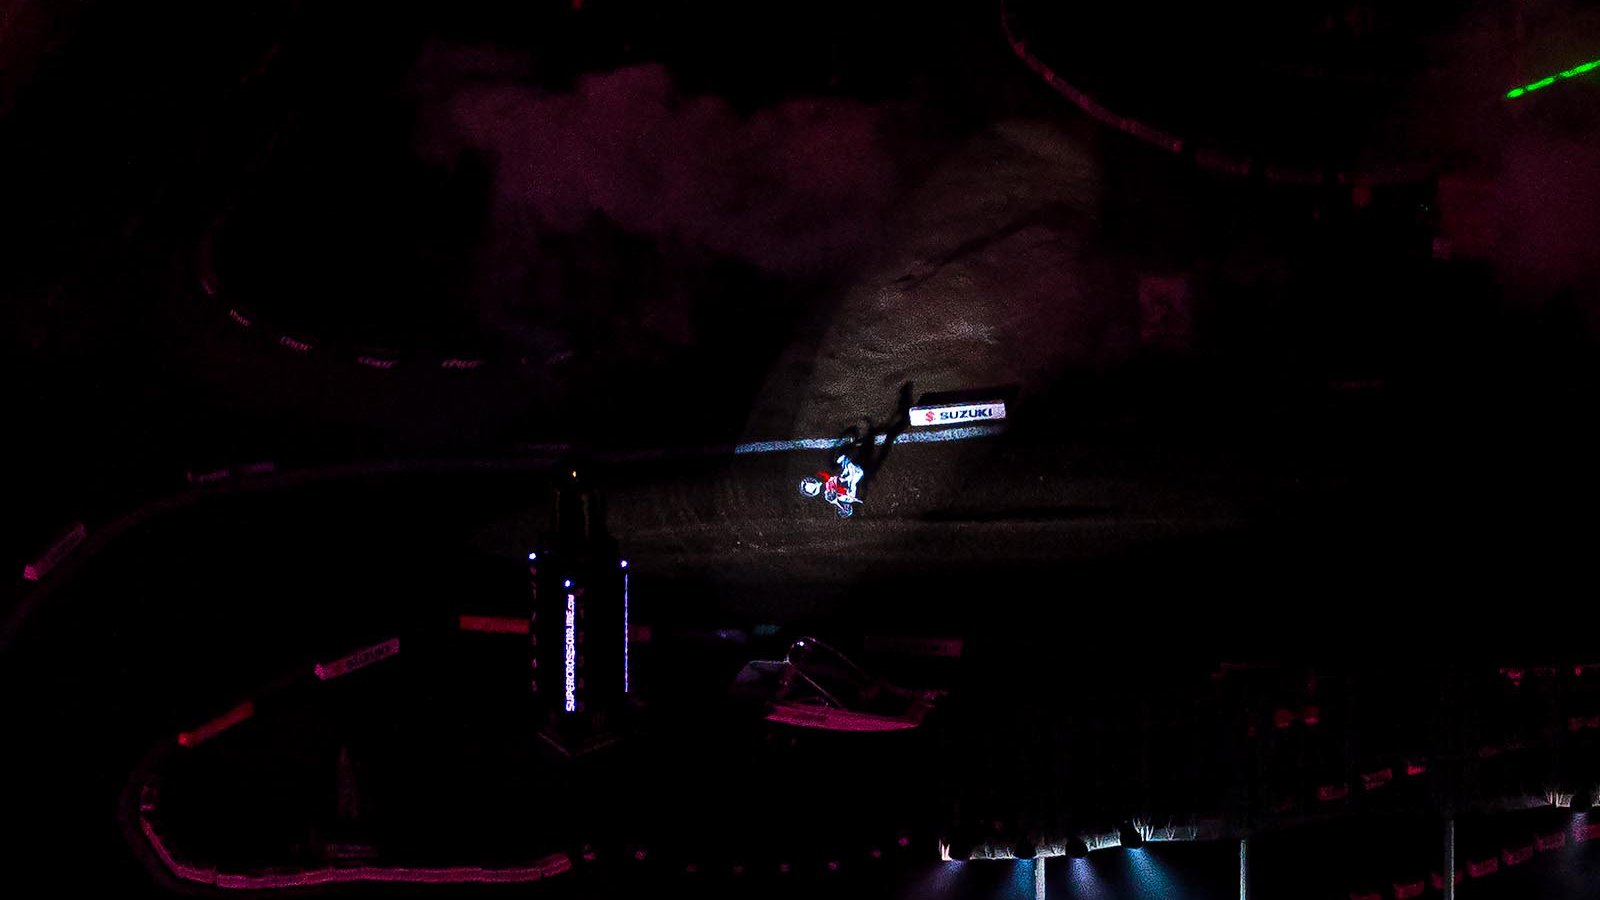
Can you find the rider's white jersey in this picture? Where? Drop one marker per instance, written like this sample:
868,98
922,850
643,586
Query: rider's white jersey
849,475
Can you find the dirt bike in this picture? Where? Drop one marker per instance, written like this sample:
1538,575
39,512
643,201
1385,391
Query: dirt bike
827,487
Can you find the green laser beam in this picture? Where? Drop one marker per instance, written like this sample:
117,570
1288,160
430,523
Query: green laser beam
1514,93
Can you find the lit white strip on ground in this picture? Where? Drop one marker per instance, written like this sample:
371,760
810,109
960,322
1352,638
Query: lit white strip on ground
966,432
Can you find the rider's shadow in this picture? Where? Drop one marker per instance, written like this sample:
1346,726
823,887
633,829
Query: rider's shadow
868,444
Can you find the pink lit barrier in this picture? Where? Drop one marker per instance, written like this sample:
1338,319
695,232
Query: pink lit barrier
239,318
377,362
1100,113
1516,856
1584,832
549,866
58,551
1553,841
495,624
461,364
1311,716
360,659
1408,890
1436,880
1149,135
949,648
1331,792
1221,162
1482,867
1083,101
218,725
1373,780
1283,718
1207,159
1290,175
838,719
211,476
1415,768
295,344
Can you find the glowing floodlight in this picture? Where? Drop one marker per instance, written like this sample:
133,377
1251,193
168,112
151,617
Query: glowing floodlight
532,557
1085,881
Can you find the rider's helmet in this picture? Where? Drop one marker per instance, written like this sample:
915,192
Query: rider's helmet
843,460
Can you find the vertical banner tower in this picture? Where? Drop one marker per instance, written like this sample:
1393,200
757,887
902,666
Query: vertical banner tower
578,639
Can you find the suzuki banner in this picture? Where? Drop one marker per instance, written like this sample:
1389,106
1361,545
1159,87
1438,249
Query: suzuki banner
960,414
